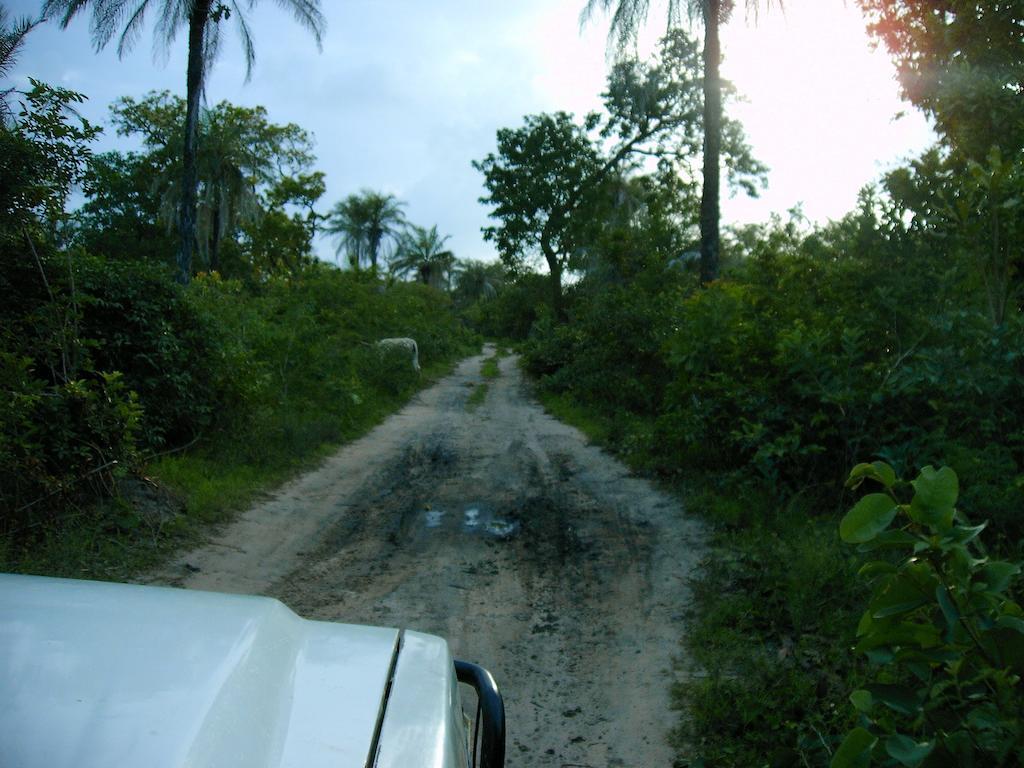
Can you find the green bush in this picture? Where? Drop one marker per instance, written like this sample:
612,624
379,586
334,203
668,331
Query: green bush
139,321
68,425
296,367
768,671
511,314
942,631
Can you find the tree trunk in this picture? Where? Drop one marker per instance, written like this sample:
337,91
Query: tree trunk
555,268
215,241
190,176
709,201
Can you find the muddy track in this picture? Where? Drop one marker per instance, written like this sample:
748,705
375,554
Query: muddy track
499,528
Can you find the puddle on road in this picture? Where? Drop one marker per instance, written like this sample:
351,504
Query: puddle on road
502,529
479,518
476,518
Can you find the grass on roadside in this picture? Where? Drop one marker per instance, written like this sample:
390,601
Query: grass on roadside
596,427
123,536
775,609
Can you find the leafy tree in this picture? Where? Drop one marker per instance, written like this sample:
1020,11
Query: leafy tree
281,239
227,190
969,211
120,217
421,252
628,18
962,63
44,154
478,280
364,224
247,166
203,19
542,174
62,421
550,170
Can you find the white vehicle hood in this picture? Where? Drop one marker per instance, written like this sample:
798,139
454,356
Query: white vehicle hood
98,674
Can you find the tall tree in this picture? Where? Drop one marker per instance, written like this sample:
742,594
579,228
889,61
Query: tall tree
962,63
422,252
364,224
203,19
478,280
628,18
547,173
247,167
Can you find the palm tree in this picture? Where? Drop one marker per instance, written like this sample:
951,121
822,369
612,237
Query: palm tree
203,19
628,18
12,37
227,171
364,223
478,280
422,252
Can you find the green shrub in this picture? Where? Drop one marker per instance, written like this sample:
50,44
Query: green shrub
767,668
140,322
942,631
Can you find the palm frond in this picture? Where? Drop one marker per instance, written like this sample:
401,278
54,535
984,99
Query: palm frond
67,9
132,29
308,14
245,33
12,38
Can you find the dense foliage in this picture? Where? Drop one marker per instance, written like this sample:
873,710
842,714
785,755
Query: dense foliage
945,637
817,349
110,366
554,181
894,334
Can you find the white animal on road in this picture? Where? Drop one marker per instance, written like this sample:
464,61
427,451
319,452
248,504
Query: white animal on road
406,345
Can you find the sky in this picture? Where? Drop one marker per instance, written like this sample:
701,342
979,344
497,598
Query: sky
405,94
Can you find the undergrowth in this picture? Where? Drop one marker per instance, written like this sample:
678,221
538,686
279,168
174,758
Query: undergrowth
289,373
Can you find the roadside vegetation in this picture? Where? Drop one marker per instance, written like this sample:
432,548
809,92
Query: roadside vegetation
841,402
893,336
139,408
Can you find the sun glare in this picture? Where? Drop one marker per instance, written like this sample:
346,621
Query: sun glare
819,104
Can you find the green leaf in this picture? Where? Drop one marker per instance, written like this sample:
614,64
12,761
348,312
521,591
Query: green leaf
961,534
949,610
898,698
998,575
862,700
902,633
902,594
876,568
936,517
936,488
906,751
876,470
880,656
895,539
855,751
1011,622
868,518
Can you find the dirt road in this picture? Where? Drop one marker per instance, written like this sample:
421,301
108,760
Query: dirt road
499,528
